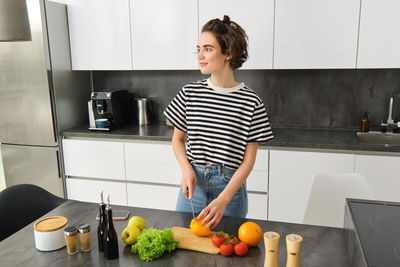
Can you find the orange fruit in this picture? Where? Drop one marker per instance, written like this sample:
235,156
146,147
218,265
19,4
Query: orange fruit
250,233
198,229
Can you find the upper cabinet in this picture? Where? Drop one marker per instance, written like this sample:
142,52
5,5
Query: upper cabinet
164,34
257,19
379,41
100,36
312,34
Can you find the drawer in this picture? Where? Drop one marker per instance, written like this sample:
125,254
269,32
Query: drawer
89,191
94,159
257,206
152,196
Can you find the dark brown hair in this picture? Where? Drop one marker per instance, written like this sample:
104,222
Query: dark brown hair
231,37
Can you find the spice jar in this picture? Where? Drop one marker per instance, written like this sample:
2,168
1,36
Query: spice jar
84,237
70,235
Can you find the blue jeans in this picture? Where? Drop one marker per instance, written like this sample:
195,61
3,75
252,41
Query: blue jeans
211,181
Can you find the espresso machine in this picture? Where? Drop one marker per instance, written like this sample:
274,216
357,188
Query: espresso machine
109,110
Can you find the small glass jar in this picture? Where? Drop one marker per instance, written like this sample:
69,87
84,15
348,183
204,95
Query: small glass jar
84,237
70,235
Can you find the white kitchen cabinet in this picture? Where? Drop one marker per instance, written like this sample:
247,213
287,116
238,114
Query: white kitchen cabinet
152,196
100,34
382,175
258,178
151,163
94,159
257,206
257,19
89,190
291,175
316,34
164,34
379,39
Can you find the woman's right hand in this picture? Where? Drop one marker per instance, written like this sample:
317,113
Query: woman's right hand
188,182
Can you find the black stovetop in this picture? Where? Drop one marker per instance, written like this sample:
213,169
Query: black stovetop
378,227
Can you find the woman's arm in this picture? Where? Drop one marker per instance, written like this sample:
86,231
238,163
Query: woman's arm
215,210
188,180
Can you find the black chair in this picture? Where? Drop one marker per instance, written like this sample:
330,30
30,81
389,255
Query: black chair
22,204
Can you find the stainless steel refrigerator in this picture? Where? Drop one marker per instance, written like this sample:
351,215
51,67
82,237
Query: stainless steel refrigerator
39,97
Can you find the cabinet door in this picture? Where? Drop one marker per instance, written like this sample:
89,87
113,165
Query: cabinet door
152,196
94,159
379,40
258,178
164,34
382,175
89,190
256,17
100,36
291,175
151,163
316,34
257,206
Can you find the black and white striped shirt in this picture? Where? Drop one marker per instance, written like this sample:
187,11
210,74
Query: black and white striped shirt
219,122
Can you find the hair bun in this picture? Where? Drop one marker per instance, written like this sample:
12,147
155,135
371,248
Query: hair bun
226,19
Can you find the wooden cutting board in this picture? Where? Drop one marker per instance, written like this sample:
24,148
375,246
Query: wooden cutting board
190,241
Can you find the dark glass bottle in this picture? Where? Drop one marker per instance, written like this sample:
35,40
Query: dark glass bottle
102,223
110,236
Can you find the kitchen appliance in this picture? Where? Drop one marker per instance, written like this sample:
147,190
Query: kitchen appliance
110,105
144,111
39,97
377,226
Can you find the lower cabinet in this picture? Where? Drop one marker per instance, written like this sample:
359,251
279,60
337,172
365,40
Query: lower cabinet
291,175
258,204
382,175
89,190
152,196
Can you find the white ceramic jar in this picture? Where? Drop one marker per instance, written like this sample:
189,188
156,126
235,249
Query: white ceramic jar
49,233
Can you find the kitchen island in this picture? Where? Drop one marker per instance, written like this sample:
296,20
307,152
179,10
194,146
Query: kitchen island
322,246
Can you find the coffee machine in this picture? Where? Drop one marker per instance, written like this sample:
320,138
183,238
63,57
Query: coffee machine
110,107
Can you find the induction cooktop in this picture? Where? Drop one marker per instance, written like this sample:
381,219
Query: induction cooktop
378,227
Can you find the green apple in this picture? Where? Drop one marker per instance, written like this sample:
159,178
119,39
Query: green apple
130,234
137,221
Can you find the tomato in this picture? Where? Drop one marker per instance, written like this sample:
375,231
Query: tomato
226,249
218,239
241,249
233,240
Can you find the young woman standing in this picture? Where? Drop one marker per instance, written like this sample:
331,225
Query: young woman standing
223,121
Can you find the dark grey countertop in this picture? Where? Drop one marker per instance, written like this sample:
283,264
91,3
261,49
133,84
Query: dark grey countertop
284,137
322,246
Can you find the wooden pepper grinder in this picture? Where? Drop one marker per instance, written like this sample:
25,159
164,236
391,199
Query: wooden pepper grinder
293,245
271,241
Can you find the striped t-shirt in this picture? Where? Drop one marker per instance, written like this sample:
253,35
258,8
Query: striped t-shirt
219,122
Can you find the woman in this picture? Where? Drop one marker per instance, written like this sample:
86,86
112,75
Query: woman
224,121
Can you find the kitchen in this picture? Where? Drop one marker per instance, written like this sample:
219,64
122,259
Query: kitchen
303,87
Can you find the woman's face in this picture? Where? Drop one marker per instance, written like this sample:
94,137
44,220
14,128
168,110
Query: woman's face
210,57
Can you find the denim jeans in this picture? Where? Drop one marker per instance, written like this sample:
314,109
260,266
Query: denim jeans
211,181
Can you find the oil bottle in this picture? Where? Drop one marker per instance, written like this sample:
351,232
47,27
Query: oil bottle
364,123
110,236
102,223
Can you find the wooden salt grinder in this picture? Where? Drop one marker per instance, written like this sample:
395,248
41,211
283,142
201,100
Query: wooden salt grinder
293,245
271,241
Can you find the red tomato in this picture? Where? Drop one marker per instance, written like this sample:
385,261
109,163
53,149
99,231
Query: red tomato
226,249
233,240
240,249
218,240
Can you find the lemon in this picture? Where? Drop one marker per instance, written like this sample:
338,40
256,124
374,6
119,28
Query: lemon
137,221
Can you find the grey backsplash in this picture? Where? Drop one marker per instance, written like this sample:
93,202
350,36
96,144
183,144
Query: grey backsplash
320,99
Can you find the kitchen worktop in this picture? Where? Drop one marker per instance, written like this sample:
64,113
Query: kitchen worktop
322,246
284,137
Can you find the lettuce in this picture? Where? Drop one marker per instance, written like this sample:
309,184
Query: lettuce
152,243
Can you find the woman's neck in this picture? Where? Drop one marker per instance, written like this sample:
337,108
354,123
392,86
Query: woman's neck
223,79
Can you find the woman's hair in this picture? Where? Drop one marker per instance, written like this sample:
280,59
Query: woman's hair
231,37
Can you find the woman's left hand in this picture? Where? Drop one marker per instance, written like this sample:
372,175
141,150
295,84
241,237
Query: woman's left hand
213,213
